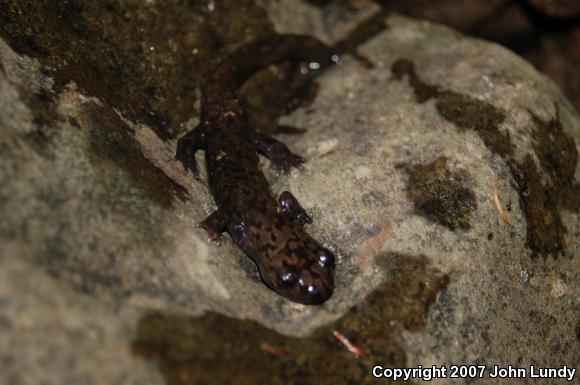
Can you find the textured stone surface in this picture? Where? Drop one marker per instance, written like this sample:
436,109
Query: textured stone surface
98,224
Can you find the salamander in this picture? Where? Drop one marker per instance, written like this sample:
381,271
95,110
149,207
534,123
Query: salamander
271,232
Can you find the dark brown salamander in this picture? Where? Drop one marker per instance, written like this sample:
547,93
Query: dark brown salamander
270,232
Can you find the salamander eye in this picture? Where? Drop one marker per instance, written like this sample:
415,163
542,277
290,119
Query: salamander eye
325,258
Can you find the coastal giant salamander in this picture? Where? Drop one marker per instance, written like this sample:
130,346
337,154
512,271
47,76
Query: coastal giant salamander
269,231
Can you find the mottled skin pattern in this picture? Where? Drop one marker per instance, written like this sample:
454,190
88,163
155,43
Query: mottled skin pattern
270,232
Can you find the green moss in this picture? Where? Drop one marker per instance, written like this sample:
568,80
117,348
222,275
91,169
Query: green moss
540,201
275,92
215,349
143,58
545,230
558,158
440,194
112,144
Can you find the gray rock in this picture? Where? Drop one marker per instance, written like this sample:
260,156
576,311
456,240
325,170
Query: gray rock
99,222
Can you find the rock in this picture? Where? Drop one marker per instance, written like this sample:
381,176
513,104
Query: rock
557,8
102,265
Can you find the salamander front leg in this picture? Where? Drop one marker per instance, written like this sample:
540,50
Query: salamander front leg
292,209
187,146
281,157
215,225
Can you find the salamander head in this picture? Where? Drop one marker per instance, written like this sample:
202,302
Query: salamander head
309,281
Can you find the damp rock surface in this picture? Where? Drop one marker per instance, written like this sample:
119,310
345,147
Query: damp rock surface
104,277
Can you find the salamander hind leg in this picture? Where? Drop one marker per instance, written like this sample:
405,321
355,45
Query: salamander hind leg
292,209
215,225
281,157
187,146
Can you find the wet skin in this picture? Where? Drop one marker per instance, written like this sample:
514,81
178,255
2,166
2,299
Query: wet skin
269,231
